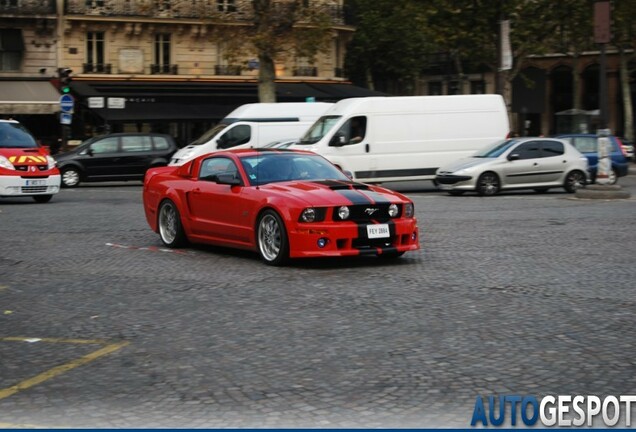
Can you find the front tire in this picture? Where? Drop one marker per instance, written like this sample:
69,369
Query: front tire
41,199
488,184
70,177
170,227
573,181
271,238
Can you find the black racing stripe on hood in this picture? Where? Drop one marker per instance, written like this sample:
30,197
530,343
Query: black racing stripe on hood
377,197
338,184
356,198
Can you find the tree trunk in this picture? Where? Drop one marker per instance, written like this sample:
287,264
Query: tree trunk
576,82
628,124
266,79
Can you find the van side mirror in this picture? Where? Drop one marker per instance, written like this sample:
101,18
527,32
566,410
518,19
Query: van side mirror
338,140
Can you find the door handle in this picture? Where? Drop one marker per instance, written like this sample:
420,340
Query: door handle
196,191
535,164
366,148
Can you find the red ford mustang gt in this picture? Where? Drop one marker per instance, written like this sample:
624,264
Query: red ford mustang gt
281,203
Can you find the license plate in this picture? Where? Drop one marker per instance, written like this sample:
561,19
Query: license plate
36,182
378,231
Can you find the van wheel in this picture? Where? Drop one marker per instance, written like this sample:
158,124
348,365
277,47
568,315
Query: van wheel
488,184
70,177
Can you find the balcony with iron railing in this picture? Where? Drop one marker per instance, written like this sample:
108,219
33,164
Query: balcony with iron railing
227,70
100,68
164,69
27,7
239,10
310,71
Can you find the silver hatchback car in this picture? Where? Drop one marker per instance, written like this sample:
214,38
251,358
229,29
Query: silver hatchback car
516,163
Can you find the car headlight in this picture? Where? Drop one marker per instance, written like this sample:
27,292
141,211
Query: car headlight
393,210
343,212
4,163
51,162
409,210
308,215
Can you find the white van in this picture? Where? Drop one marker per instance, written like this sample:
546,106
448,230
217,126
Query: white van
381,139
254,125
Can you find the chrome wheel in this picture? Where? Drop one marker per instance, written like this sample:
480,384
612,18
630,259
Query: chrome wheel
70,177
170,229
488,184
272,238
574,180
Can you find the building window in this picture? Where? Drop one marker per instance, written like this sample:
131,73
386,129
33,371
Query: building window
95,52
162,53
477,87
92,4
162,5
226,5
11,49
454,88
435,88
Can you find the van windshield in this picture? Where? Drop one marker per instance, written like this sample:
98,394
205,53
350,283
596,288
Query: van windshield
14,135
319,129
209,134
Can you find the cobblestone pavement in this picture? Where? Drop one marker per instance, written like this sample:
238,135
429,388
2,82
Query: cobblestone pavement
521,293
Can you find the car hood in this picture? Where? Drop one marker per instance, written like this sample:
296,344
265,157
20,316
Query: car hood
334,192
25,156
464,164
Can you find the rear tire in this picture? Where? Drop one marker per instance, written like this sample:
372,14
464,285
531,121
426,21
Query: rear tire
170,227
573,181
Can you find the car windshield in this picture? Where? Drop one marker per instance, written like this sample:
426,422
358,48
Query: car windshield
14,135
279,167
209,134
496,149
319,129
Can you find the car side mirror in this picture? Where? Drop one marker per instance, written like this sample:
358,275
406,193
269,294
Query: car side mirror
514,156
228,179
338,140
89,151
348,174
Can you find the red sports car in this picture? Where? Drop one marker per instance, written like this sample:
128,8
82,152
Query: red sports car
281,203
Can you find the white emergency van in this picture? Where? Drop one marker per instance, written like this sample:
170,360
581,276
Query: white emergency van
254,125
381,139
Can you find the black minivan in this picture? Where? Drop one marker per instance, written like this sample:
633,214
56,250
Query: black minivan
118,156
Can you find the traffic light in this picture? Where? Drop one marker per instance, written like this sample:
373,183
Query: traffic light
65,80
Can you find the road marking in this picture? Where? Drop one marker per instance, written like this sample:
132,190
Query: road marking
63,368
150,249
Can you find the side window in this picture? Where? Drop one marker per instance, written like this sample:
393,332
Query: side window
161,143
585,144
552,148
235,136
136,143
528,150
106,145
353,130
212,167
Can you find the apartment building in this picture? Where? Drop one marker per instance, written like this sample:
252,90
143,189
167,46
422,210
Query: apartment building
170,66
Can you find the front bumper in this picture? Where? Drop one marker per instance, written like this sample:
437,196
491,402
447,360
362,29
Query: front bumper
452,182
16,185
351,239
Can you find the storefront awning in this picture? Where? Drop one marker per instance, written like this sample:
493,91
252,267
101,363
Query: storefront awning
118,101
28,97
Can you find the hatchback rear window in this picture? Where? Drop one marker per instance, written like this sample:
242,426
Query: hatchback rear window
161,143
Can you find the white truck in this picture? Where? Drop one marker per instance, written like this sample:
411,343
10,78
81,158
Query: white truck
254,125
380,139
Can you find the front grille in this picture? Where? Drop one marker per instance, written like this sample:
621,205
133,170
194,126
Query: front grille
26,167
450,179
34,189
365,213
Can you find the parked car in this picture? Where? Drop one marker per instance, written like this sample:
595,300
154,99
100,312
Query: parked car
517,163
26,168
281,203
119,156
588,145
628,148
